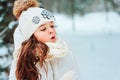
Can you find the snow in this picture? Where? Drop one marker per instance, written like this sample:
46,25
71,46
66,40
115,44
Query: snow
98,55
1,7
3,0
1,18
3,76
12,24
95,43
3,51
92,23
5,61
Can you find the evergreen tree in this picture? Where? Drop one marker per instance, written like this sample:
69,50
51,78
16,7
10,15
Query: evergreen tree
7,26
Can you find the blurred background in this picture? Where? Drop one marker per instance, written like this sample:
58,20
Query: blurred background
90,27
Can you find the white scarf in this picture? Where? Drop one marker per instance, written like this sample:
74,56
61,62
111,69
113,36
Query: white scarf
57,49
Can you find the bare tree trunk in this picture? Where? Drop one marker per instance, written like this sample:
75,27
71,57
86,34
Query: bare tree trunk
106,9
72,14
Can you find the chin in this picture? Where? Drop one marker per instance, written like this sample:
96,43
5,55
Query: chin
53,41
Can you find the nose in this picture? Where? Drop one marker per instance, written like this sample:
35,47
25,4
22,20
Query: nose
51,30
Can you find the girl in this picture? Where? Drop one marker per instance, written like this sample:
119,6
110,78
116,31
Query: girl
39,54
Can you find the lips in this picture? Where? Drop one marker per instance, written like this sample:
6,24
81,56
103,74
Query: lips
53,38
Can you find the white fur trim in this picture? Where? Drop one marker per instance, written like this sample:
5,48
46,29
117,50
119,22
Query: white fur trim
57,49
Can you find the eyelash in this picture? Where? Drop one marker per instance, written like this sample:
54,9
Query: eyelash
45,28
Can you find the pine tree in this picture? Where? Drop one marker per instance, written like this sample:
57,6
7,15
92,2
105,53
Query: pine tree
8,23
7,26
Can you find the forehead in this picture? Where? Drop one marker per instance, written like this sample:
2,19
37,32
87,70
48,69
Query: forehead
48,23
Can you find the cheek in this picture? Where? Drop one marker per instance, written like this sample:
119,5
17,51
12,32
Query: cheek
41,36
54,31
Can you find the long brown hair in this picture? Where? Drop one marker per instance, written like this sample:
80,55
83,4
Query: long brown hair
32,52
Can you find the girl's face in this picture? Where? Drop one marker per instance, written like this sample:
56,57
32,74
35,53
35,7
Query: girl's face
46,32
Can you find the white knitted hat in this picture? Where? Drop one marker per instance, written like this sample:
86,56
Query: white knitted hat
33,18
29,21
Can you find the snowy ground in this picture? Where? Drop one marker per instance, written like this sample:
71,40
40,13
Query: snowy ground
96,44
98,56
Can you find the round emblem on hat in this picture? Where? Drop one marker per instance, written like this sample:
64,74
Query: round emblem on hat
36,20
46,14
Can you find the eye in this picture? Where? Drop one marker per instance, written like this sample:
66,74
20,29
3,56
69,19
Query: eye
43,29
52,26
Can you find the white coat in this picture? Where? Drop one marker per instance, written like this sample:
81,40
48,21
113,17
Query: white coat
60,61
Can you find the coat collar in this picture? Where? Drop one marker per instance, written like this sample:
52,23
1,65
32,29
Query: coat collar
57,49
